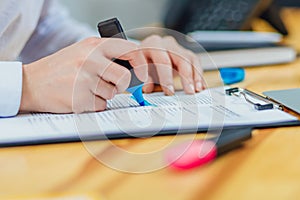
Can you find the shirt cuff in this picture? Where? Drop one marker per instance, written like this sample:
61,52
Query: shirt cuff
10,88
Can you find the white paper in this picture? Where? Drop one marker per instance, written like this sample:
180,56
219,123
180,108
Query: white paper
210,108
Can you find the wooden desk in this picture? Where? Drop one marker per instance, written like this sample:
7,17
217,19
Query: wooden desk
268,167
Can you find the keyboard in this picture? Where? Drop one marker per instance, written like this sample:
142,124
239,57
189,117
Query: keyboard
219,14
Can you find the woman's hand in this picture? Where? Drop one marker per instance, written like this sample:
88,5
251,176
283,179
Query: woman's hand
167,58
80,77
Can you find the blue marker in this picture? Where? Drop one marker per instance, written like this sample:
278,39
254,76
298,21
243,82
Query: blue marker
113,28
137,95
135,86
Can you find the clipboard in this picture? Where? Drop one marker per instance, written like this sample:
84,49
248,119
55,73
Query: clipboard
269,99
268,103
289,98
44,128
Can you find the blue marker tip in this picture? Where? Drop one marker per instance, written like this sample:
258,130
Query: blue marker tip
137,93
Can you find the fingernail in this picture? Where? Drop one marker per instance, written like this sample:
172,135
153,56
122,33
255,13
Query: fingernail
191,88
198,86
170,90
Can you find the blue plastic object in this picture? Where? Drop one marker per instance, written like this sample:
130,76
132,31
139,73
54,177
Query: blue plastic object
137,94
232,75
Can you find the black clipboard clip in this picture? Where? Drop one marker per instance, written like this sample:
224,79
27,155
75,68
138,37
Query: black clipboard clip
248,95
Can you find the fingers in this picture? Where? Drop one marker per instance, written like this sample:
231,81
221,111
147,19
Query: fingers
149,85
116,74
164,69
96,98
94,104
125,50
86,101
187,64
97,101
161,59
189,70
99,104
104,90
198,74
185,71
168,55
104,78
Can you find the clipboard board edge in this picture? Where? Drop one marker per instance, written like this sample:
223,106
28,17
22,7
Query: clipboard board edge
143,135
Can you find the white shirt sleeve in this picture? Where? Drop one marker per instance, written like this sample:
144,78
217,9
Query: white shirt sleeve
10,88
56,29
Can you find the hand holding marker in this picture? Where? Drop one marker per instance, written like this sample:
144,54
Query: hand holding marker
113,28
186,155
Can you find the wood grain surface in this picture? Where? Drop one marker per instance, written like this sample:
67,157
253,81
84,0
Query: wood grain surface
266,167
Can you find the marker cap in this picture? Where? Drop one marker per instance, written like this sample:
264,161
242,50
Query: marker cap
194,153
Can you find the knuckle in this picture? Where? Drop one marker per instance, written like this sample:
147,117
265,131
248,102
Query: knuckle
110,94
186,73
170,39
164,60
185,69
198,69
195,59
188,55
91,41
80,61
128,43
126,75
166,82
198,78
132,44
122,72
155,38
132,50
119,41
123,81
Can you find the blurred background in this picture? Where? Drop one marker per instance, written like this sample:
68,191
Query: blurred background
132,13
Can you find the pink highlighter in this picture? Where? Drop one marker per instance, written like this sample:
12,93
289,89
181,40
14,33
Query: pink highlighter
195,153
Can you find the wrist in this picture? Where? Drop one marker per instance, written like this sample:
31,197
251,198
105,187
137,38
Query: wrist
27,101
